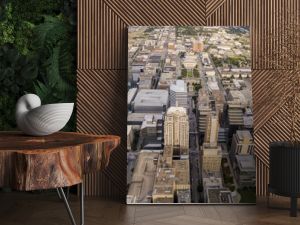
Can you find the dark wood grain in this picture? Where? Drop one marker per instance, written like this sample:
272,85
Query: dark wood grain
57,160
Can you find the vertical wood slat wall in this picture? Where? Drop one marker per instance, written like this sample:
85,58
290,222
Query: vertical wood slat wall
102,70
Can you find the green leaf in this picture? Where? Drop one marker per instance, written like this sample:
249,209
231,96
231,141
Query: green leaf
14,89
7,82
30,72
8,73
49,33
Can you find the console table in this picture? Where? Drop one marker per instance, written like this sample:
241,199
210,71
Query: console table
52,162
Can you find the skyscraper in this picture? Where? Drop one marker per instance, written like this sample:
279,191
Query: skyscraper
237,104
176,127
212,129
212,153
242,143
204,109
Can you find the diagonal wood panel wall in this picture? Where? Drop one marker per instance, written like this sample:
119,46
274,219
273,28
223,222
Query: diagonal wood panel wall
102,64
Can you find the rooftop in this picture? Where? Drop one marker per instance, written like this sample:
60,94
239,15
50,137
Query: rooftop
244,135
180,86
245,162
176,110
138,118
164,181
141,185
150,121
182,172
151,97
183,196
219,195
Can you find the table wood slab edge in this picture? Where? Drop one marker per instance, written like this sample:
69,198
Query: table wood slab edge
62,159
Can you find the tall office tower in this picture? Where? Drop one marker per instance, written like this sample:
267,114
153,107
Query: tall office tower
178,94
242,143
176,127
212,153
212,129
236,106
204,109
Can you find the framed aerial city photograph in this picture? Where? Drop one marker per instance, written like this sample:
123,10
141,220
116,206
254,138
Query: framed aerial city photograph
190,121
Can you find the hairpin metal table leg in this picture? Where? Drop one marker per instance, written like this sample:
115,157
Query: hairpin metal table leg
62,195
81,203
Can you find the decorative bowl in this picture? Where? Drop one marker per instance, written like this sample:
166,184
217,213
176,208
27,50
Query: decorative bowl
40,120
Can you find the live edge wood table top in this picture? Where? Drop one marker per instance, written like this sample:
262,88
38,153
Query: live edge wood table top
57,160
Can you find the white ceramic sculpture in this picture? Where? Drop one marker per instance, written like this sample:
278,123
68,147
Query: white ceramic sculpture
40,120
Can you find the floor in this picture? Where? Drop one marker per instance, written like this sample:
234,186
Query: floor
45,209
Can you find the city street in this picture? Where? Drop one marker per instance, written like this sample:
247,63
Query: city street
194,153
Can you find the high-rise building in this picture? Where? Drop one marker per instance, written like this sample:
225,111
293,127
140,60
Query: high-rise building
236,107
235,114
212,152
178,94
244,168
242,143
223,135
204,109
212,156
151,132
176,127
204,112
212,129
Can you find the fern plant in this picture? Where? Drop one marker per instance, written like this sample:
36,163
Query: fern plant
17,73
55,47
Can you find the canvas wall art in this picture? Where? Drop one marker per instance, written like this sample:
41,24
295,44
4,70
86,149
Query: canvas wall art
190,121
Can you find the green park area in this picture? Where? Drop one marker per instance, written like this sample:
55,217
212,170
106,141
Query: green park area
190,73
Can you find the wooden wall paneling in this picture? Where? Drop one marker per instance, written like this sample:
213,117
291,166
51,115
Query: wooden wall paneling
102,109
102,61
160,13
102,37
229,12
262,178
101,99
